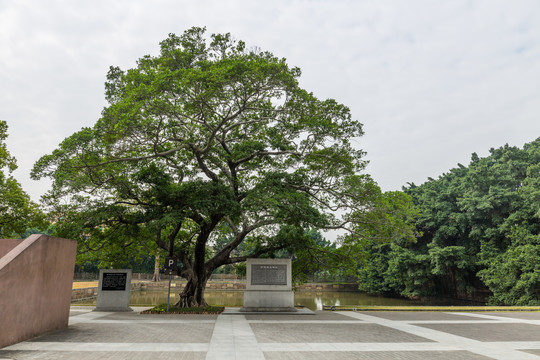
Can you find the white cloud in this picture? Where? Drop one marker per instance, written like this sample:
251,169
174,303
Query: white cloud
432,81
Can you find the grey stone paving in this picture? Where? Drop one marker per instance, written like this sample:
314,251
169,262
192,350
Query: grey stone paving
527,315
382,355
134,333
110,355
325,335
330,333
233,339
488,332
76,312
420,315
319,316
137,316
495,351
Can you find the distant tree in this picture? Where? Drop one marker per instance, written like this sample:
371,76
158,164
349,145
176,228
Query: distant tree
208,141
157,276
480,230
384,265
17,211
514,275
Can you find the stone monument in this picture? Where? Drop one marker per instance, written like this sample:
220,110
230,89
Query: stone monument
114,290
268,286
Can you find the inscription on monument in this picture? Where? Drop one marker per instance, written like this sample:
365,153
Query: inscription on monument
269,274
114,281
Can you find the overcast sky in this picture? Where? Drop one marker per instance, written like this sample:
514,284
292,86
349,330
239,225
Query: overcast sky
432,81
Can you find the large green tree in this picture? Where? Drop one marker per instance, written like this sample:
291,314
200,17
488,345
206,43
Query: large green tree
208,140
17,211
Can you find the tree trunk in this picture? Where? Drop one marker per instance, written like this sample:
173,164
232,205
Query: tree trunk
193,293
157,275
198,272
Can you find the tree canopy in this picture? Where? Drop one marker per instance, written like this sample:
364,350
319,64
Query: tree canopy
481,230
17,211
209,140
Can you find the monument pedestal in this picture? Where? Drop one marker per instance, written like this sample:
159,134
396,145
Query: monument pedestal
114,290
272,301
268,286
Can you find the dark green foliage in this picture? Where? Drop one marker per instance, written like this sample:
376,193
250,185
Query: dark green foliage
380,247
514,275
480,227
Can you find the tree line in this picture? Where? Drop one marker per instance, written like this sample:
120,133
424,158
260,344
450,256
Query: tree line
480,230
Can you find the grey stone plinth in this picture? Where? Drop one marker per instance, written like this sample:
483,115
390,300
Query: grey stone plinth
114,290
268,286
273,300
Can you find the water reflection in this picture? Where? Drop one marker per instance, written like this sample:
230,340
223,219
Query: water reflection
310,299
316,300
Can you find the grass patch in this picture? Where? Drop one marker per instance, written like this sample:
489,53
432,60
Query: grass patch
162,309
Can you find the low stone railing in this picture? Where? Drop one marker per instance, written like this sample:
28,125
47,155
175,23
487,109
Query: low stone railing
178,284
91,292
241,285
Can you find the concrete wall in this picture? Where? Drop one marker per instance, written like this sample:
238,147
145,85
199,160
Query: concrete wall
6,245
35,280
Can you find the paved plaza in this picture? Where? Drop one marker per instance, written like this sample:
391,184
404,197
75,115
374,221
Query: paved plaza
324,336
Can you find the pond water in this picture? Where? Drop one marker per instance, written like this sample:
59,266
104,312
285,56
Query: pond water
311,299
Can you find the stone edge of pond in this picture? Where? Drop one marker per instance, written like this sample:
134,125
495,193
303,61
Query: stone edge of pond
431,308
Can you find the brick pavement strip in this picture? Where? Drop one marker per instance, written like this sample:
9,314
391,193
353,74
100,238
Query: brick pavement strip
328,336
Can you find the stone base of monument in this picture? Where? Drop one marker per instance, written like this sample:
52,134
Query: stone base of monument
236,311
268,300
268,286
114,290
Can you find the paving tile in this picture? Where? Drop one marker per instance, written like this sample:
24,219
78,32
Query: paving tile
329,333
524,315
132,333
82,308
109,355
137,316
319,316
325,335
417,315
76,313
490,332
374,355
